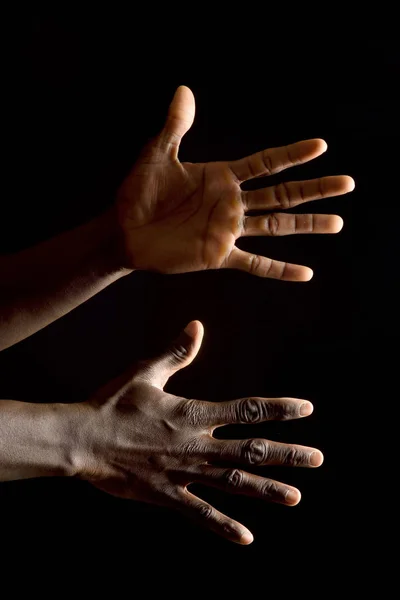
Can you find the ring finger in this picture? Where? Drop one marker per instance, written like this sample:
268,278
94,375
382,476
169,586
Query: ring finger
236,481
292,193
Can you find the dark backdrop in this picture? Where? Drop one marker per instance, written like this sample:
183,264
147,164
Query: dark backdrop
82,98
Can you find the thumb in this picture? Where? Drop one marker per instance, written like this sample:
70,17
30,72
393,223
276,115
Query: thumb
178,355
179,120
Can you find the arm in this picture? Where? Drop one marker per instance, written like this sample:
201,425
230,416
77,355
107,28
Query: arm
169,217
36,440
43,283
134,440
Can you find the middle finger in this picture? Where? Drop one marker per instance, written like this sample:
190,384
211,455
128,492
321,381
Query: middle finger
286,195
261,452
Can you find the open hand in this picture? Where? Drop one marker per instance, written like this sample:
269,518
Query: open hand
180,217
136,441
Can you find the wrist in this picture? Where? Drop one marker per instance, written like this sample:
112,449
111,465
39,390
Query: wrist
109,231
37,440
79,426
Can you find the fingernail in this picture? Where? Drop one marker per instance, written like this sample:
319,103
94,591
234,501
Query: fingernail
191,329
246,538
308,275
292,497
306,409
316,459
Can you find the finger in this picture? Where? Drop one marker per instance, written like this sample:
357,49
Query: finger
277,224
245,411
266,267
290,194
207,516
178,355
263,452
274,160
179,120
235,481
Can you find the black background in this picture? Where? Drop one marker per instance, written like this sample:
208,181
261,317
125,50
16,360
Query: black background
82,98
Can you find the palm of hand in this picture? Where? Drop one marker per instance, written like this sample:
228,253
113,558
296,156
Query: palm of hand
181,217
189,220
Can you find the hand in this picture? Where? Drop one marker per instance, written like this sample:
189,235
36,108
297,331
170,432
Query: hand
179,217
140,442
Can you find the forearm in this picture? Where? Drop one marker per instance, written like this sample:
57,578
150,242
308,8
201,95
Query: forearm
43,283
37,440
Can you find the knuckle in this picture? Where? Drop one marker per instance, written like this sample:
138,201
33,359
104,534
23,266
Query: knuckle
282,269
251,168
269,489
205,511
280,410
267,162
179,352
301,191
254,264
229,530
192,448
268,267
234,478
303,223
255,452
293,457
249,410
282,195
272,224
190,411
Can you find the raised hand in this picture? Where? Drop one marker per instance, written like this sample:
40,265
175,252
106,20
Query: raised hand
179,217
136,441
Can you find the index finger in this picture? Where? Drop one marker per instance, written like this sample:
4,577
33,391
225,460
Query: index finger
274,160
251,410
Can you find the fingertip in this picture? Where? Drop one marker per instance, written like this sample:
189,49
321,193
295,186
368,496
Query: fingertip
312,148
306,409
293,497
306,274
192,328
322,145
337,224
297,273
246,538
184,93
349,182
316,458
184,88
195,331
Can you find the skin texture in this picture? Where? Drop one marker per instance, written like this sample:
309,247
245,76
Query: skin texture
133,440
168,217
137,441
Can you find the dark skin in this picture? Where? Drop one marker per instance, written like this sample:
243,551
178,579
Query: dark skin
132,439
144,444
